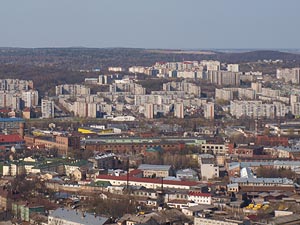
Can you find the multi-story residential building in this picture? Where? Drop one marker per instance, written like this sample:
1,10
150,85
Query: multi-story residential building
269,92
254,109
127,86
149,111
186,74
84,109
224,94
179,110
246,93
116,69
257,87
10,100
47,107
72,89
209,110
233,67
30,98
137,69
281,109
187,87
295,107
15,85
211,65
224,77
292,75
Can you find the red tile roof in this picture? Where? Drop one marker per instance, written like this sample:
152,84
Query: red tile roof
135,172
10,138
149,180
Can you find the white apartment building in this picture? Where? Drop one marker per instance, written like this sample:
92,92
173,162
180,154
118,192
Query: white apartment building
224,94
223,77
186,74
257,87
116,69
287,75
149,111
209,110
10,99
127,87
246,93
15,85
136,69
282,109
211,65
233,67
72,89
295,108
270,92
254,109
47,108
179,110
30,98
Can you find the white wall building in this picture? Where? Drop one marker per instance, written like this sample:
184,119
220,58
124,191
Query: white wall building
47,108
200,198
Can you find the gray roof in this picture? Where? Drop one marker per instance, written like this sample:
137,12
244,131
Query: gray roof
77,217
186,172
154,167
295,148
286,163
264,163
233,165
294,218
256,164
263,180
197,208
206,156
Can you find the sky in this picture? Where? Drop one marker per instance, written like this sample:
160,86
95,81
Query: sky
167,24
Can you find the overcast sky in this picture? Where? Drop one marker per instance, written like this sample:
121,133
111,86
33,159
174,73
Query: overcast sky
201,24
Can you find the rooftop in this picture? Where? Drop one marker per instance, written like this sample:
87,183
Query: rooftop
13,119
154,167
263,180
77,217
148,180
10,138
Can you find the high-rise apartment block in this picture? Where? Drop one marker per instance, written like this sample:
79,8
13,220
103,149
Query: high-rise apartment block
149,111
224,78
72,89
233,67
47,107
179,110
289,75
209,111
